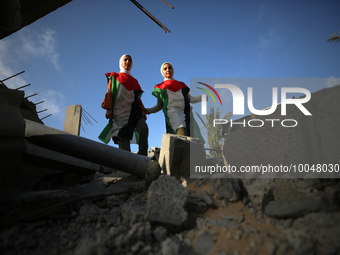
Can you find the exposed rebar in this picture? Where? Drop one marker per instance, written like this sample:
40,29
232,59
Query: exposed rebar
168,4
12,76
32,95
46,117
23,86
150,16
89,115
39,102
42,111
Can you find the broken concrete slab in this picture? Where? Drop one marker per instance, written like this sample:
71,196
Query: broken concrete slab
166,199
12,130
292,209
325,228
12,122
30,148
178,153
73,119
36,155
262,191
93,187
86,149
111,180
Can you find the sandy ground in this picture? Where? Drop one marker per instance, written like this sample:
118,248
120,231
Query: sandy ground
254,234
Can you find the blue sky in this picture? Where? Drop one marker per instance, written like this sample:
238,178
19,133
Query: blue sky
66,53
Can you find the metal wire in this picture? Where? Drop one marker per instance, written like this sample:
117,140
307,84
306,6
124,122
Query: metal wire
168,4
150,16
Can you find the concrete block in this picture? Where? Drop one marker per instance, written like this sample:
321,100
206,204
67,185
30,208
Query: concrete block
12,124
73,119
178,153
49,159
166,200
86,149
293,209
12,130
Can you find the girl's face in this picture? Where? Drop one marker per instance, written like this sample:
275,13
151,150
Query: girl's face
127,62
167,71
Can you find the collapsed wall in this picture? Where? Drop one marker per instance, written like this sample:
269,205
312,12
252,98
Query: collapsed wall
31,151
124,215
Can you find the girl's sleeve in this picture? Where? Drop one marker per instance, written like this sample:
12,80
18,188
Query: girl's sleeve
107,102
194,100
157,107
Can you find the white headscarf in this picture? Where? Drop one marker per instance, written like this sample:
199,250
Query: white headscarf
162,71
122,70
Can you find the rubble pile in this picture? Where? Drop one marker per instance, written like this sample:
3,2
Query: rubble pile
107,214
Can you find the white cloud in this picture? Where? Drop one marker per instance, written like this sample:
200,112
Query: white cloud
6,72
53,101
23,45
267,41
30,46
332,81
6,63
49,44
43,45
261,12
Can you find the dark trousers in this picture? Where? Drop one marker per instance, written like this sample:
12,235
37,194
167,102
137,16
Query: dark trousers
143,130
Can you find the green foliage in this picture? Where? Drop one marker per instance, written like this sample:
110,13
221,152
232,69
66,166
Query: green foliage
334,37
214,134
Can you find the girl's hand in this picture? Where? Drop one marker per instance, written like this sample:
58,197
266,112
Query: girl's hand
109,114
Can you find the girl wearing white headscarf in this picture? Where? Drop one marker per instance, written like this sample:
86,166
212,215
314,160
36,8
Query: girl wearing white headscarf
174,98
124,109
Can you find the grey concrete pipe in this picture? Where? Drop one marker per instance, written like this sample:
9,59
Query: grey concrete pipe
89,150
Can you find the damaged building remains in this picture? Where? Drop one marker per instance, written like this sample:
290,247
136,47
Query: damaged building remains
61,193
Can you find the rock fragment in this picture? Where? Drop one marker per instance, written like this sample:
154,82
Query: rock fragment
166,199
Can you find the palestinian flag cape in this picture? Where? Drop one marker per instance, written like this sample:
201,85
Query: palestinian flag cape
173,117
115,83
172,85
